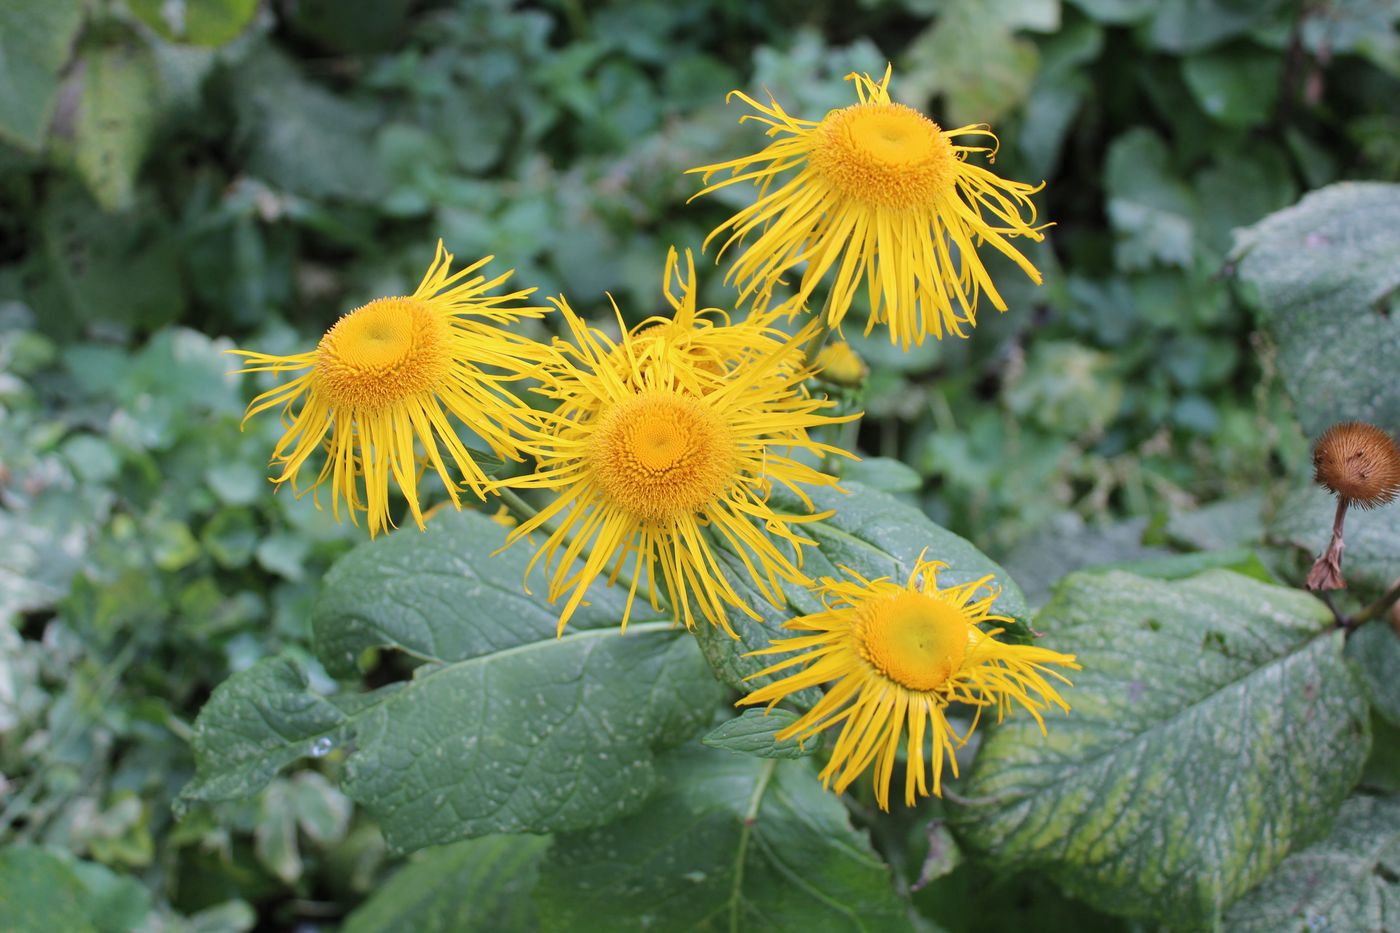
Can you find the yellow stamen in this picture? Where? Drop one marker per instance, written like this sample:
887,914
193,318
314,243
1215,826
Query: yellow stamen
917,641
885,154
662,453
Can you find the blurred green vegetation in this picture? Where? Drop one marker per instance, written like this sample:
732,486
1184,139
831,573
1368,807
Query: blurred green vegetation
180,177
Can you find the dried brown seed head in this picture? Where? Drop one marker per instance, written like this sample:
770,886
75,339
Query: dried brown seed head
1359,462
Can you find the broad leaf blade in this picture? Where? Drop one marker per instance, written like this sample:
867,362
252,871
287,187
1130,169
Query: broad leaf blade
478,884
754,732
1345,882
442,595
1322,277
728,842
509,730
1375,647
34,45
258,722
1215,725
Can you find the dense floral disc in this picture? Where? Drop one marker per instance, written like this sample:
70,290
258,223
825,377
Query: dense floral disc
660,452
1359,462
878,192
894,656
384,390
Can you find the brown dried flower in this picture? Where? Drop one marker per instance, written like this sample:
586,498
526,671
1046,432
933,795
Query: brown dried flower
1359,462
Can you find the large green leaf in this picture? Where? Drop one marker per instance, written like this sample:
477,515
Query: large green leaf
507,729
200,22
116,117
871,532
444,595
477,884
1236,86
1215,726
39,892
1322,278
728,842
1150,207
1348,882
35,42
974,60
1375,647
301,137
1191,25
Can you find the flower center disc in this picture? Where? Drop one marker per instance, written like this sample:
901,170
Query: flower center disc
384,352
660,454
885,154
917,641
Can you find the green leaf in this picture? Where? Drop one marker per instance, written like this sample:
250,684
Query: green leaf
1241,560
1371,560
1191,25
35,42
116,269
116,903
1215,726
1117,12
301,137
116,118
1235,86
1321,276
39,892
442,595
728,842
883,473
1225,523
198,22
1375,647
1149,207
974,60
1349,881
871,532
478,884
259,721
754,732
507,729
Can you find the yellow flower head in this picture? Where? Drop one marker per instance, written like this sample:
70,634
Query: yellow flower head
650,455
378,390
703,339
895,657
881,192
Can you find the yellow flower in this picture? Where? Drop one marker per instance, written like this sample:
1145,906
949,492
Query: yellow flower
895,657
876,190
649,455
705,339
378,390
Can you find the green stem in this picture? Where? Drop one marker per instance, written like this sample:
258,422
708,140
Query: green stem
518,507
1377,608
736,890
814,346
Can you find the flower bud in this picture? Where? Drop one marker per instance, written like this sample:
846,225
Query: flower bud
1359,462
839,364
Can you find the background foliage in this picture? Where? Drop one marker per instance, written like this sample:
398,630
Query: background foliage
176,177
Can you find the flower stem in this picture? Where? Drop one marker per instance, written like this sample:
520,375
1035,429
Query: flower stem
818,340
1376,609
521,509
1326,572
